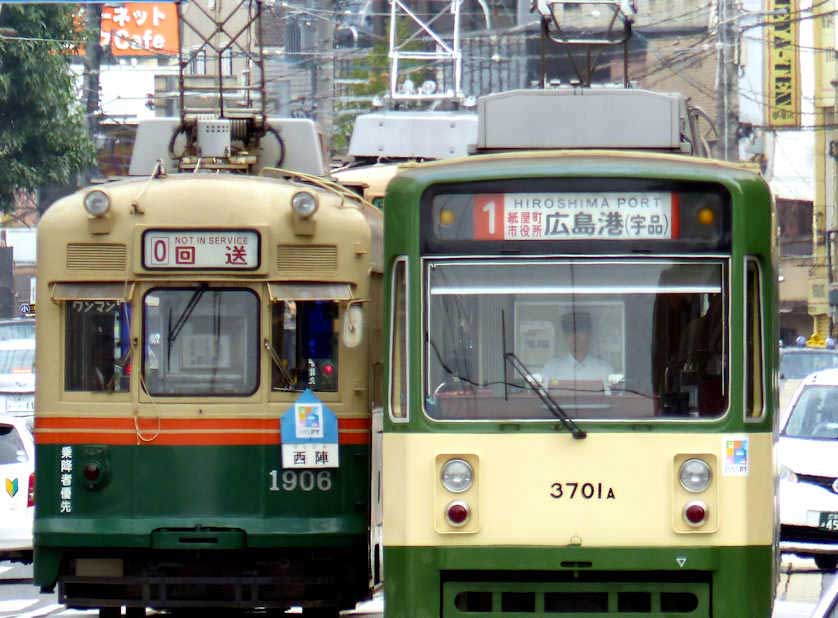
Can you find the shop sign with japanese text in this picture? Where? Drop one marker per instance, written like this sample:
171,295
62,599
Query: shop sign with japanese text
140,29
575,216
201,249
782,87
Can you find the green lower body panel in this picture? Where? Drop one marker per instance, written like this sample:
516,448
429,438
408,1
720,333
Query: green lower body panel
577,582
188,526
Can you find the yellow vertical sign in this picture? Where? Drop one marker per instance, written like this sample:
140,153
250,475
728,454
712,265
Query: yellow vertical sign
824,27
782,84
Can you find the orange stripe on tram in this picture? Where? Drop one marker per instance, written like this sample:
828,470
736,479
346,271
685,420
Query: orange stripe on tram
178,431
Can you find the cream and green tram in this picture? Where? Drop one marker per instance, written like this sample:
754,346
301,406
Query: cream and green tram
206,351
580,393
368,181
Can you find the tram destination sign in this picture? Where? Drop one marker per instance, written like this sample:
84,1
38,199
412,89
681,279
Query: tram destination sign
201,249
559,216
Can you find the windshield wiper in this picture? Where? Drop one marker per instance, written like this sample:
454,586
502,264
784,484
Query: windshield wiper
544,396
175,329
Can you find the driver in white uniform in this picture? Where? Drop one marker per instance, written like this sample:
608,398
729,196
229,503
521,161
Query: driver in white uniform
578,364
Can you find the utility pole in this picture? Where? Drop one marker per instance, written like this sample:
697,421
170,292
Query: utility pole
323,63
727,82
92,64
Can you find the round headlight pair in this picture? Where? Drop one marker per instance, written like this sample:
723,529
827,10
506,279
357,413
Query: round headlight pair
97,203
457,476
695,475
304,204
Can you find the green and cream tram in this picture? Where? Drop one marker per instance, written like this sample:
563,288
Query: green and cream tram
580,404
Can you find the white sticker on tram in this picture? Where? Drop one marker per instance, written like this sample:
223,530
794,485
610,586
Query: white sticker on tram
735,455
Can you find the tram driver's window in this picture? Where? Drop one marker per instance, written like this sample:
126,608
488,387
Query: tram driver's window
200,341
97,346
306,344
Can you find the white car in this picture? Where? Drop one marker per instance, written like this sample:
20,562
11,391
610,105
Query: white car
808,457
17,377
17,496
828,604
797,363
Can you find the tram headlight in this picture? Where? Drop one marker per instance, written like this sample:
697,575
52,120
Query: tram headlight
304,204
695,475
457,476
97,203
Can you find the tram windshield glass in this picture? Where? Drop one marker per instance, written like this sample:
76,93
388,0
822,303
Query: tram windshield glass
200,341
608,339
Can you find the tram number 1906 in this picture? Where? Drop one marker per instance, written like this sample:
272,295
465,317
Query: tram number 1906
584,491
304,480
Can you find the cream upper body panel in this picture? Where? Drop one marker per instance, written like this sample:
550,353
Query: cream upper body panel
205,202
633,498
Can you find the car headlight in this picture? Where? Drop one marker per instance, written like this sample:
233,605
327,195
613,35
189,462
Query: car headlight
457,476
787,474
695,475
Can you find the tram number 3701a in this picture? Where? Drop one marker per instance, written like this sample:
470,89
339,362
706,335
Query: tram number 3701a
585,491
304,480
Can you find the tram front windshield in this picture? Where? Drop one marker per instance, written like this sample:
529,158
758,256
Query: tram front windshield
608,339
200,341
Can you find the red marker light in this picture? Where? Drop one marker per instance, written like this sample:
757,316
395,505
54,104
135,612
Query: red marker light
92,472
328,370
30,496
457,513
695,513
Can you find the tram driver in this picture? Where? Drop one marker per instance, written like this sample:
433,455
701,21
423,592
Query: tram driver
578,364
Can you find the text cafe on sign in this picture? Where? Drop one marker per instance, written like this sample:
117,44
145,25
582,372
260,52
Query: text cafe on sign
140,28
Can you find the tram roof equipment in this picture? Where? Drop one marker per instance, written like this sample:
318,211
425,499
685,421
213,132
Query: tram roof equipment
574,118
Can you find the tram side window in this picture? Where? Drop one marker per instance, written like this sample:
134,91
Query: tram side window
97,346
398,332
306,342
753,344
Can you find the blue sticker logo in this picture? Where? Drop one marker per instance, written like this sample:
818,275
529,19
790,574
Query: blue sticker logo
309,434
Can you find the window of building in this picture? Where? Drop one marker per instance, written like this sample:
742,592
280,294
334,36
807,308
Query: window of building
227,62
795,220
198,64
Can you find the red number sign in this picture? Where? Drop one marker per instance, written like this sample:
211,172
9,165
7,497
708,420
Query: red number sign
489,218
